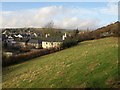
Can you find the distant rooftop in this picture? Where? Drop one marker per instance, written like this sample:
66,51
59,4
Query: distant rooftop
53,39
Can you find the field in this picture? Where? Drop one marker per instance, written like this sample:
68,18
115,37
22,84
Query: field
89,64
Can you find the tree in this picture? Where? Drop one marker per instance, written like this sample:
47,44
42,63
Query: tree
26,42
75,33
49,25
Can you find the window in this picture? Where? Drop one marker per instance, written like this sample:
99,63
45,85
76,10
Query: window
51,43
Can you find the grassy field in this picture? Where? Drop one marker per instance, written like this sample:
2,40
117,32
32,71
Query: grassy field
89,64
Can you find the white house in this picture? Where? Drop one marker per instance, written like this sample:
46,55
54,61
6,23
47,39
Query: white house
35,35
64,36
10,37
20,36
8,54
47,35
51,44
4,32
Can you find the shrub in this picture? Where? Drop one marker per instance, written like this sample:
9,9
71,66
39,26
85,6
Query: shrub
69,42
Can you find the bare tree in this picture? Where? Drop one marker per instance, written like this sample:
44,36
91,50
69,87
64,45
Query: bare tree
49,25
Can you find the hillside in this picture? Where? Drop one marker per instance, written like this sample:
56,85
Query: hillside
112,26
112,29
89,64
105,31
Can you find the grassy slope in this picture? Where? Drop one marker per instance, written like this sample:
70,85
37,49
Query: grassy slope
90,64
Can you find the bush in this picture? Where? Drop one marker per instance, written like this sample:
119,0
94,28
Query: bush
69,42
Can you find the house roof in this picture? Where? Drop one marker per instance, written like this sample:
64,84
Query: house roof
49,39
22,40
53,39
30,40
20,36
35,41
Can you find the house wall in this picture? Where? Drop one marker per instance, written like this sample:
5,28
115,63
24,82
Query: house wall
46,44
8,54
36,45
22,44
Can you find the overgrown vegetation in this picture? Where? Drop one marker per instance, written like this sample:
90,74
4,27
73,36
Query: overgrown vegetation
69,42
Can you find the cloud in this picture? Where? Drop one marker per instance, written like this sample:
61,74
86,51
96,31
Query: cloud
75,22
25,18
111,9
63,17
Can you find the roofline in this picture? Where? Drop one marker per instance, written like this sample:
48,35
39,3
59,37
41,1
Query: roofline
52,41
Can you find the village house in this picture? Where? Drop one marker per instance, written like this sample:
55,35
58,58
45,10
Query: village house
8,54
35,43
18,36
52,42
31,42
64,36
29,39
9,41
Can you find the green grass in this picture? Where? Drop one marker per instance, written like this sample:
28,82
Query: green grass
89,64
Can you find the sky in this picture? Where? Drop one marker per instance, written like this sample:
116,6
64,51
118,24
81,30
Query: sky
67,15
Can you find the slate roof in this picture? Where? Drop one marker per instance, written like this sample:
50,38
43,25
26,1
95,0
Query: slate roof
22,40
35,41
53,39
30,41
49,39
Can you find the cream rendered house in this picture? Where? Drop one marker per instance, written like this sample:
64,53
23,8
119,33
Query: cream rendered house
51,44
53,41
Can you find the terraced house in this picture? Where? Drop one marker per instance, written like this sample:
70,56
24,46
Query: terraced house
52,43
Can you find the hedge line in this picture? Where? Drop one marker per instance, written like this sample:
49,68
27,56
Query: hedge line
14,59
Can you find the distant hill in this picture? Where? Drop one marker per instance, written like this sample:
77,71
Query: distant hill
112,26
105,31
111,29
